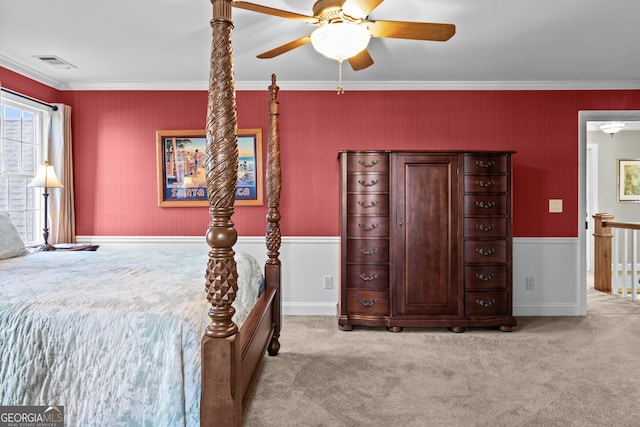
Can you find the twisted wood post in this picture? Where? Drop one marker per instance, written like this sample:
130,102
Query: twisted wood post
273,236
220,349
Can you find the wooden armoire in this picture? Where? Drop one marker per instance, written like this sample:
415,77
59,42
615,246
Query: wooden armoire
425,239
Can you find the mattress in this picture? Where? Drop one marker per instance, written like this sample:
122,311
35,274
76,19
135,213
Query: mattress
114,337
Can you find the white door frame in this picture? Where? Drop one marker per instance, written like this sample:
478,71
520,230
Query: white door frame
591,172
583,118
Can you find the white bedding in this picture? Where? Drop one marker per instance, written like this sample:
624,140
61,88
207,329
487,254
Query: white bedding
112,336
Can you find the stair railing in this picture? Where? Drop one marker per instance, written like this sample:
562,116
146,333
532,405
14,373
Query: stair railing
615,264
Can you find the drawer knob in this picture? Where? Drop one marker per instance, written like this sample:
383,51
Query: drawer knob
484,164
367,205
485,184
483,227
365,251
486,205
483,303
486,252
368,278
365,227
368,184
368,165
364,302
485,277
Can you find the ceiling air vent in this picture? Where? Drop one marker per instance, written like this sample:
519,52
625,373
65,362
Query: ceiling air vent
55,61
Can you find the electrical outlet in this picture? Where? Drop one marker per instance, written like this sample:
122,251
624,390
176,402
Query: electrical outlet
531,284
328,282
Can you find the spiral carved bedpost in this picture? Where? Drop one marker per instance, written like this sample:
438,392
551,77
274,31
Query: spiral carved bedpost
273,236
221,337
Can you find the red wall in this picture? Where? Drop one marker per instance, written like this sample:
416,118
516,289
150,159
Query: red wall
115,149
28,87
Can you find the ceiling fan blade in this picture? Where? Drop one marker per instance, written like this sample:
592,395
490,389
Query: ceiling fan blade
411,30
285,47
360,8
361,60
274,12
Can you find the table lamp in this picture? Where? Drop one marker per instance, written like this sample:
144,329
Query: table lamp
46,178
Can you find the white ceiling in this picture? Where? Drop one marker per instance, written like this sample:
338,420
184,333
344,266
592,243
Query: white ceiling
164,44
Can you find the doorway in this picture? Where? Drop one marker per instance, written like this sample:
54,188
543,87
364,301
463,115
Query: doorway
587,167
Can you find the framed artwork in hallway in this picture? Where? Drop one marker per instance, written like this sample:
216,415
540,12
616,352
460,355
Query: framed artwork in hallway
629,180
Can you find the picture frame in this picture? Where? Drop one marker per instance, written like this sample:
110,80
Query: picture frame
181,168
628,178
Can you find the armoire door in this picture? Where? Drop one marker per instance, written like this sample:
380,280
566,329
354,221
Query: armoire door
425,243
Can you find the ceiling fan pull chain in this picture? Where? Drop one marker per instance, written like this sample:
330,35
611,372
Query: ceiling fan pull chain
340,88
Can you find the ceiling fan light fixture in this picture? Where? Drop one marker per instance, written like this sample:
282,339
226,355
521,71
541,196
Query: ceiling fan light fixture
340,40
612,127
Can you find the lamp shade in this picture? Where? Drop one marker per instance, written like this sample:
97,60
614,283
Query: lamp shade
46,177
341,40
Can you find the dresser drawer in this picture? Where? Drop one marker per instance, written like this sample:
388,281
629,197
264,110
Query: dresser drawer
368,226
367,251
485,277
368,276
485,303
367,302
368,204
368,183
485,184
485,251
486,204
368,162
485,227
485,163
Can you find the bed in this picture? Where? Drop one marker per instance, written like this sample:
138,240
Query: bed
209,365
65,315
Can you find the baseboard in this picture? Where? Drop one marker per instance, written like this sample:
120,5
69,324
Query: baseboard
547,310
309,309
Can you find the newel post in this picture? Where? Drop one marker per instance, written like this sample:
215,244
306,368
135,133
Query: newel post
602,237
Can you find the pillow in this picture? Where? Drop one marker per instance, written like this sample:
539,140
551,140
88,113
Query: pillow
11,244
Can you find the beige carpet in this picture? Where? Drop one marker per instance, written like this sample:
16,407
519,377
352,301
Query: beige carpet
551,371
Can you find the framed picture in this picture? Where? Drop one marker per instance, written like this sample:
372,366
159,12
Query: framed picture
629,180
181,168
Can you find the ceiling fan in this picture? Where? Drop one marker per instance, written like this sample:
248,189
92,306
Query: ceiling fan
344,31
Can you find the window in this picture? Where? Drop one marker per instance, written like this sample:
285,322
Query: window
21,150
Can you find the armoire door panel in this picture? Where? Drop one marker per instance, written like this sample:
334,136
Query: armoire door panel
424,194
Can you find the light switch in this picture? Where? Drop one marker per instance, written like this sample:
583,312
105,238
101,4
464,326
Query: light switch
555,205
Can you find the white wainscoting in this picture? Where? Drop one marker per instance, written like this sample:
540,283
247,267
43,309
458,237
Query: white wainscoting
559,287
305,262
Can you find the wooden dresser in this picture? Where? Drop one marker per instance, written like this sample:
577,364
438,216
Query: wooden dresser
425,240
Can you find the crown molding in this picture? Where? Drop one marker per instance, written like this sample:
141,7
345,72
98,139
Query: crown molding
29,72
370,86
295,85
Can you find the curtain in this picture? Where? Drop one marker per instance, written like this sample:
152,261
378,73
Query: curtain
61,203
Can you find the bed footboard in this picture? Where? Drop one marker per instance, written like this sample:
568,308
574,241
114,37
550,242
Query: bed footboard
257,334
